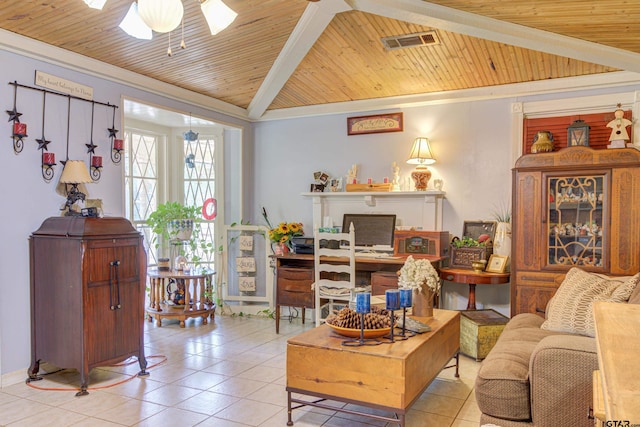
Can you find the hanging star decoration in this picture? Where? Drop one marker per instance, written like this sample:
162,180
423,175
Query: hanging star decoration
91,147
14,116
113,132
42,143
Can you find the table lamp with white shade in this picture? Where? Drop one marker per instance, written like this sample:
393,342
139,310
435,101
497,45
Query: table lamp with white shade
75,172
421,156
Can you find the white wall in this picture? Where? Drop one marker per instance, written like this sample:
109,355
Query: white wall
472,141
29,199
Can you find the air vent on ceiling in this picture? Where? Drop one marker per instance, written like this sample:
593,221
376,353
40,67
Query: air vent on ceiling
410,40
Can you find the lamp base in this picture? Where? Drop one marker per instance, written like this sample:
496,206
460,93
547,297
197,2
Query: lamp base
421,176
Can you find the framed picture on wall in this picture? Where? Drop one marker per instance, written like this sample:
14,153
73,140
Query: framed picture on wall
497,264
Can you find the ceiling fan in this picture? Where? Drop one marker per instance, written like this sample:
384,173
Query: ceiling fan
164,16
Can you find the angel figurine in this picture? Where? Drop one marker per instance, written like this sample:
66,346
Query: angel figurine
618,127
352,174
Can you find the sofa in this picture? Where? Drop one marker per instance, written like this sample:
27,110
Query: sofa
539,373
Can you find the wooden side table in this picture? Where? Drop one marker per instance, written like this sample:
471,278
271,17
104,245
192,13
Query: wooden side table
472,278
197,288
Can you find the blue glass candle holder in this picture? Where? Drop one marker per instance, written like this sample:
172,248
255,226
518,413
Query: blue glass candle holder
363,302
405,297
392,297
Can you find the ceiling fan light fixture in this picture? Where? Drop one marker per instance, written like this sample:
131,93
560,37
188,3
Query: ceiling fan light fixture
133,25
218,15
95,4
161,16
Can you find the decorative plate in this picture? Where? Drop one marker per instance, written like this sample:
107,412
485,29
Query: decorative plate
355,333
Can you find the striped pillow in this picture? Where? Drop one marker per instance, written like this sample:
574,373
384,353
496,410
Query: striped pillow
570,309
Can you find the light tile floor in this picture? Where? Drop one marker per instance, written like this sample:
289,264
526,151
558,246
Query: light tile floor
228,373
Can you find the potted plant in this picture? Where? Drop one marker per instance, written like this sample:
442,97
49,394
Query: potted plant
173,221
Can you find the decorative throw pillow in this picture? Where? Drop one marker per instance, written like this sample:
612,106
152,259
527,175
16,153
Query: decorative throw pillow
571,308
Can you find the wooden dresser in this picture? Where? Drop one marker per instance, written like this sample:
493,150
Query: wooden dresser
576,207
88,279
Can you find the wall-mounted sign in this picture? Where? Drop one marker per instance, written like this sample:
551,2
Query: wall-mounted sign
247,284
61,85
245,243
245,265
379,123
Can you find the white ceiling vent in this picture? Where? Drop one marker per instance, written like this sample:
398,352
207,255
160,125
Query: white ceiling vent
410,40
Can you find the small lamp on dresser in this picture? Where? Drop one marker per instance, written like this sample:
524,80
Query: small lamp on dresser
421,156
75,172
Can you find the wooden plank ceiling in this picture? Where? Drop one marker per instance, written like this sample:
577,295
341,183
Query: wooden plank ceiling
346,61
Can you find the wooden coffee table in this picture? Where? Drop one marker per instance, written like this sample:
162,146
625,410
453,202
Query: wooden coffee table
389,377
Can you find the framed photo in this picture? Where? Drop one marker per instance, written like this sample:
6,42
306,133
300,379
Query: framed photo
379,123
497,264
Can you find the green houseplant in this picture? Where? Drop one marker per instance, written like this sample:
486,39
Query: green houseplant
174,222
170,219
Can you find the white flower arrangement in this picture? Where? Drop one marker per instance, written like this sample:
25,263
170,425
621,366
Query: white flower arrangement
416,274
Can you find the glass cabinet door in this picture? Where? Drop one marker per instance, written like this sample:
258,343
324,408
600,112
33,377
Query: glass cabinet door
576,220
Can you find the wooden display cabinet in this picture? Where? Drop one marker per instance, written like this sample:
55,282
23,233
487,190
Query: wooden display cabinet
577,207
87,294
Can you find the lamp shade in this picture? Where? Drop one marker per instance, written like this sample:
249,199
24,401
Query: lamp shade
133,25
95,4
75,172
421,153
218,15
161,16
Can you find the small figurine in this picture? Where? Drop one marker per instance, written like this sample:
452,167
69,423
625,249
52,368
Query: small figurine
396,177
352,174
619,135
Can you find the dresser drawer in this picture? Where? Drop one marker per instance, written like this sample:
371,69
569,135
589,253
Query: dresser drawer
294,287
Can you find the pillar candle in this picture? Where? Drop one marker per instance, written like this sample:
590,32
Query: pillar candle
19,128
392,297
386,179
118,144
96,161
405,297
369,181
48,158
363,302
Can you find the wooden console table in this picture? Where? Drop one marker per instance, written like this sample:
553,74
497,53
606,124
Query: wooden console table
617,328
472,278
197,290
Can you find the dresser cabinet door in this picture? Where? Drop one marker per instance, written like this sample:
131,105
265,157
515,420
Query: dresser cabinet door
114,298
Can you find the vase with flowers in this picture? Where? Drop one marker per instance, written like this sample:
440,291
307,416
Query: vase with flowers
283,234
420,276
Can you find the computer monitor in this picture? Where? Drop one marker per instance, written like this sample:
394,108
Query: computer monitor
372,231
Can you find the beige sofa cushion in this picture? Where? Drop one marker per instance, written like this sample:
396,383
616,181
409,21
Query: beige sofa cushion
502,384
571,308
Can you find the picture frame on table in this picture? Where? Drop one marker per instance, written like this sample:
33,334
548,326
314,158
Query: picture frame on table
497,264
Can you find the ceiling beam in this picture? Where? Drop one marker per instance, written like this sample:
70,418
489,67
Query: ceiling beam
312,23
453,20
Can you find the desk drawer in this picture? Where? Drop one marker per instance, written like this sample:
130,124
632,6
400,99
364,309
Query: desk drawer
382,281
294,287
295,273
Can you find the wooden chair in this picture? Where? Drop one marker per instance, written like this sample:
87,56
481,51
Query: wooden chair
334,256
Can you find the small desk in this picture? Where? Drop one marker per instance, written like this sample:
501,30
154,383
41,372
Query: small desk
197,288
295,275
461,275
